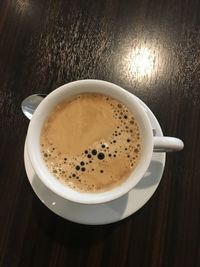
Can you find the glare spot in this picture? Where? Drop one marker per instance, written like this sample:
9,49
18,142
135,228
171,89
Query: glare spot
141,61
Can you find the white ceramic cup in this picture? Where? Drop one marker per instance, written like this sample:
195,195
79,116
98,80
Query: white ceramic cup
149,142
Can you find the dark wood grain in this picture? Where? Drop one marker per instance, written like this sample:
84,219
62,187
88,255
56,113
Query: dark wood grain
44,44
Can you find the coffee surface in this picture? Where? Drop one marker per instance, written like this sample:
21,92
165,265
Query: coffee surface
91,142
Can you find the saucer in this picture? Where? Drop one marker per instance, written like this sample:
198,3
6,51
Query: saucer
109,212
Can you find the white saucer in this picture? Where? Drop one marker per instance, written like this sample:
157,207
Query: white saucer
109,212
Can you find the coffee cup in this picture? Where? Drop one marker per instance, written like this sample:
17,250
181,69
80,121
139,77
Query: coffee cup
150,143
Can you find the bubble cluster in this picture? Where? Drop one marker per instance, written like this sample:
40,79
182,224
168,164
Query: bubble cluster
106,162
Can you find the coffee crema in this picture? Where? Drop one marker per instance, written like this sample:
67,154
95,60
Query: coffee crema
91,142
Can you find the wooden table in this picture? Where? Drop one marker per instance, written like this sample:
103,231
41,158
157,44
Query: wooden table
151,48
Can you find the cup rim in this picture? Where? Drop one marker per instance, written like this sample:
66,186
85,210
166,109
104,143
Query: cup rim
47,177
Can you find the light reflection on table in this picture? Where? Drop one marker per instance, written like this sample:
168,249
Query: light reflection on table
141,63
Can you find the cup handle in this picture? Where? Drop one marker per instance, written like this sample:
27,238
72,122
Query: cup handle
167,144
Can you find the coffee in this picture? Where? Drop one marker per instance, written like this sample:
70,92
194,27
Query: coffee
91,142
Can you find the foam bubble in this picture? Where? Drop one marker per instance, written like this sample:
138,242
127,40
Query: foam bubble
101,156
94,152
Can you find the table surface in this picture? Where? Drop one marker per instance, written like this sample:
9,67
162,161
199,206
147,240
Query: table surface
150,48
